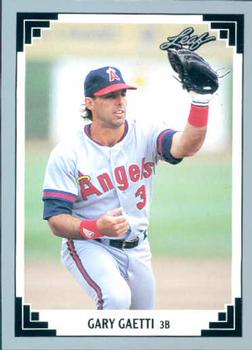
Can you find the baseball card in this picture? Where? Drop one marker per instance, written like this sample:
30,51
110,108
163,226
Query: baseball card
125,175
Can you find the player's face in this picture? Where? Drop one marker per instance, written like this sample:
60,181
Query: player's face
109,110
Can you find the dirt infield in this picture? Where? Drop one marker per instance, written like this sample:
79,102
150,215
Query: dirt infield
181,284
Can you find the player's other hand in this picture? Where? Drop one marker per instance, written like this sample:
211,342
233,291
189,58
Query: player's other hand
113,224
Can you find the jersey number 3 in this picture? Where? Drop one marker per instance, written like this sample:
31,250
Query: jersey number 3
141,193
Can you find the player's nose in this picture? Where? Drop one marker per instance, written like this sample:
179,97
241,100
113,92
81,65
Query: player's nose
120,99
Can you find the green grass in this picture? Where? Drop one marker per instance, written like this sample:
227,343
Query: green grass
39,242
191,208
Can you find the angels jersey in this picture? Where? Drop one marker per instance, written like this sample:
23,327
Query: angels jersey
86,179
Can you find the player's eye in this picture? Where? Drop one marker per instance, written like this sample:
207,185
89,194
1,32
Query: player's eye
114,95
108,96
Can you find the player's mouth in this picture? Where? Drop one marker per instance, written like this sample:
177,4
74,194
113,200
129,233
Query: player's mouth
120,112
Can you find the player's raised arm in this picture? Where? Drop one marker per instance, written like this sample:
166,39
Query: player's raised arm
187,142
201,81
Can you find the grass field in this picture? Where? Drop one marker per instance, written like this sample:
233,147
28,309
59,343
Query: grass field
191,208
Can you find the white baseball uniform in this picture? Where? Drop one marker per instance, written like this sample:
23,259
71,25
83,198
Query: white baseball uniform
86,179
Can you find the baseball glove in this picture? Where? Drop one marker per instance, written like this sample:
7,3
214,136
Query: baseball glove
194,72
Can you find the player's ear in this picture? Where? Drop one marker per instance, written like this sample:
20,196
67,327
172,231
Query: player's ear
89,102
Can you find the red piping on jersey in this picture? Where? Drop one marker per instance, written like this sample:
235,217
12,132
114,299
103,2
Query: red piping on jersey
58,195
84,273
88,132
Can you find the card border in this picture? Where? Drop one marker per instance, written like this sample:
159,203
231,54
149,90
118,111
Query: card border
243,183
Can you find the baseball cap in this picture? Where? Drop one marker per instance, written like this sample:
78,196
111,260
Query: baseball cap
104,80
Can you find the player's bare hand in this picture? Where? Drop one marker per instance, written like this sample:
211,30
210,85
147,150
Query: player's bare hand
113,223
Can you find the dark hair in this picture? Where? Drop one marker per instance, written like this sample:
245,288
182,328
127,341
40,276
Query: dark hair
85,112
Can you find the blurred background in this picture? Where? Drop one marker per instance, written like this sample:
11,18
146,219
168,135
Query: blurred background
191,209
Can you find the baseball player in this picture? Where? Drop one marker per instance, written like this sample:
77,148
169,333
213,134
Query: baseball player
97,192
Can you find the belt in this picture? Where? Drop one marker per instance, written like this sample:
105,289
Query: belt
123,243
